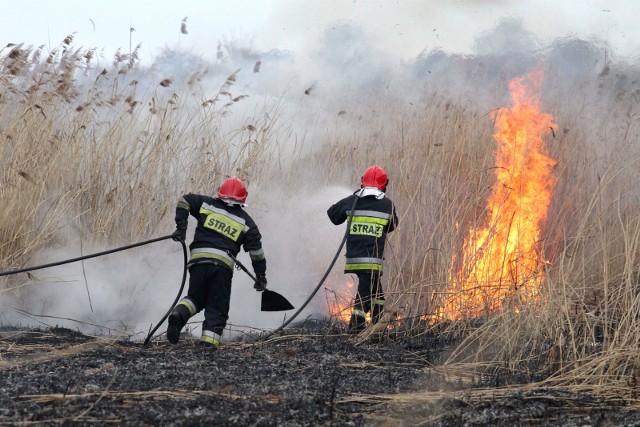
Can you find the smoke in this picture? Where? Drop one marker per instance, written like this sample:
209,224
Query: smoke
344,77
310,240
119,293
128,292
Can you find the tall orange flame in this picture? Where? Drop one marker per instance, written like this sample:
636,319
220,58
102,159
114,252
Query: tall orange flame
501,263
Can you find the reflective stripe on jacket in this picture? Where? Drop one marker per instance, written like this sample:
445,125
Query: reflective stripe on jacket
221,227
372,219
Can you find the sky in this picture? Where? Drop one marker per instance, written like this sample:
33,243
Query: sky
403,27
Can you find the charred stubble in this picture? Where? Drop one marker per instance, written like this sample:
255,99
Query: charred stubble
59,376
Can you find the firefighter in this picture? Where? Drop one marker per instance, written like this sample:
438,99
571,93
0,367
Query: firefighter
223,226
373,217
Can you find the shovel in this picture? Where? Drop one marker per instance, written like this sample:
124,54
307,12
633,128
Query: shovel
271,301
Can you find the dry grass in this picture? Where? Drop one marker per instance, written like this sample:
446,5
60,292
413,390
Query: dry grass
97,155
45,353
86,156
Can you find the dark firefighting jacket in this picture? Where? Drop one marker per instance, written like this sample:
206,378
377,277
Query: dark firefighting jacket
372,219
221,227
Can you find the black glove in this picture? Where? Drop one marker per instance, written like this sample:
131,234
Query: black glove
179,235
260,284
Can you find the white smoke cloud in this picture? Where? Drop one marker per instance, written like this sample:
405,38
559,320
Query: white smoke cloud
299,241
124,291
401,28
129,292
346,67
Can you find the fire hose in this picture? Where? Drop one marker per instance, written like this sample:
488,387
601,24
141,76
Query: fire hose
324,277
184,274
122,248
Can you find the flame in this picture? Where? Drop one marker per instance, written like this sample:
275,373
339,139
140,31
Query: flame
340,303
500,263
341,293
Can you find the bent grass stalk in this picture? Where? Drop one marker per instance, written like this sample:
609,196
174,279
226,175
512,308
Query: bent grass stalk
98,151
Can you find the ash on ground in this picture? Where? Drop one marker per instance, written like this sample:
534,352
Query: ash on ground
306,377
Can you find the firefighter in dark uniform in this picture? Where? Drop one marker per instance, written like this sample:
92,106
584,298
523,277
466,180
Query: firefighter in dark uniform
373,217
223,226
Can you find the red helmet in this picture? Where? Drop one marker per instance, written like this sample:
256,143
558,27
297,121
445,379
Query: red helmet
233,188
375,176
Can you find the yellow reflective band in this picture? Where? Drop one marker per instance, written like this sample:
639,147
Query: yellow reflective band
222,224
370,219
183,205
189,305
378,301
209,255
366,229
210,340
377,267
364,212
367,226
208,209
359,313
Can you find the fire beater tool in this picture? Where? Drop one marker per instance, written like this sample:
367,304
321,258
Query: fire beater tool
271,301
326,273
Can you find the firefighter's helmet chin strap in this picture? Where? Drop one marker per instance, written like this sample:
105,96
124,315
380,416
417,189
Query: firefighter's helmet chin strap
315,291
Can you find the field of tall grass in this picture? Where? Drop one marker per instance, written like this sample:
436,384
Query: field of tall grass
99,154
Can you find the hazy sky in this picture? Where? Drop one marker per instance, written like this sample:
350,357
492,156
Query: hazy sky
405,27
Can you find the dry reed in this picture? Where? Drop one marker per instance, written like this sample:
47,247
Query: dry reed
101,158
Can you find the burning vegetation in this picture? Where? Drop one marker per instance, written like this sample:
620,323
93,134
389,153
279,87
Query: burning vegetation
515,263
501,265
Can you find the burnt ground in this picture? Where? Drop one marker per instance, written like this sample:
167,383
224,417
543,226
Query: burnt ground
304,378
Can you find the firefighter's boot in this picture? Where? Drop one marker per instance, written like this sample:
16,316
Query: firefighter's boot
207,345
210,340
177,319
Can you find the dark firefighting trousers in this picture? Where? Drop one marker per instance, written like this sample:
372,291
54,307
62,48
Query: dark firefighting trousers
369,299
209,289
